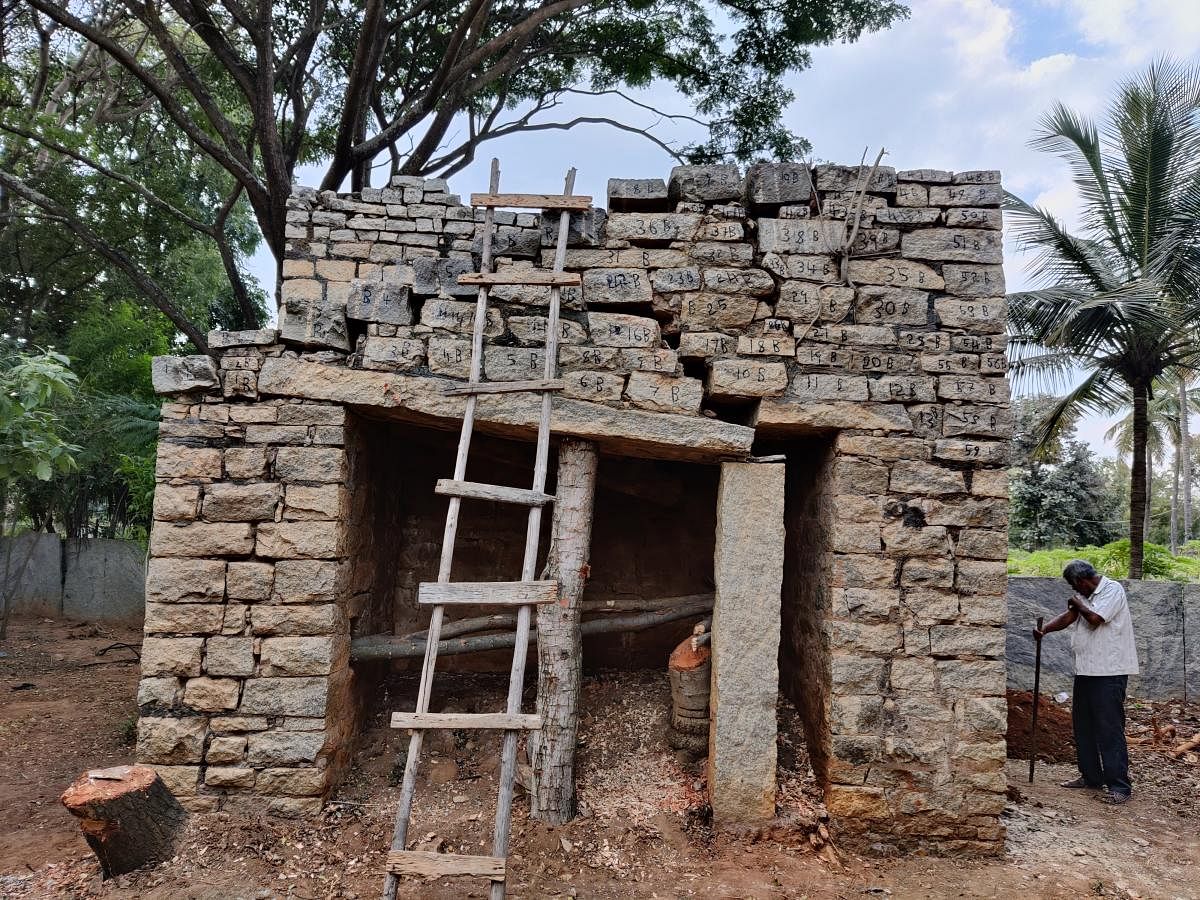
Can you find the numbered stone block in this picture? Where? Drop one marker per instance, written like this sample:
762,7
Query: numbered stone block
450,357
966,217
807,267
637,195
737,378
881,361
392,354
767,345
523,243
718,310
895,273
664,393
813,236
911,195
459,316
774,184
667,281
966,195
931,341
619,330
973,281
719,254
857,335
814,386
950,363
179,374
977,390
900,306
981,452
721,231
904,389
662,228
530,330
993,364
977,176
377,301
594,386
907,216
616,287
983,314
433,275
706,345
585,228
978,343
953,245
825,356
514,363
806,302
648,360
929,176
704,183
853,178
752,282
982,421
584,358
314,323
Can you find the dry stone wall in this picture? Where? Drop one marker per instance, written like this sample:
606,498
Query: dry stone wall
716,308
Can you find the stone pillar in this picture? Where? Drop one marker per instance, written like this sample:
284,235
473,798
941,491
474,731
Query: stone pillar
748,569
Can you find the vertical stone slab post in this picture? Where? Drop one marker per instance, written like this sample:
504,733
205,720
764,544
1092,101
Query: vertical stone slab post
748,568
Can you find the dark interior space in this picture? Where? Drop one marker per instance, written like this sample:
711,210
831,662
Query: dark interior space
652,538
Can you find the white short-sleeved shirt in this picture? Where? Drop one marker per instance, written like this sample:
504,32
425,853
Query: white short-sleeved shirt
1105,649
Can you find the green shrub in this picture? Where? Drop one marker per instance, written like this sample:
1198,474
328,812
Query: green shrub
1112,560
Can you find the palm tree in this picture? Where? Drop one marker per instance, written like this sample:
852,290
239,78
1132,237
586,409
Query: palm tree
1117,302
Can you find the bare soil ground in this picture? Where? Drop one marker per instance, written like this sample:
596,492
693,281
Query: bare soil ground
642,832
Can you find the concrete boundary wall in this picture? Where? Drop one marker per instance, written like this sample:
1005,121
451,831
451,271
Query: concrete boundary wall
96,580
1166,625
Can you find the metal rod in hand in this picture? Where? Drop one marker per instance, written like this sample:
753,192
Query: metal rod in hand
1037,685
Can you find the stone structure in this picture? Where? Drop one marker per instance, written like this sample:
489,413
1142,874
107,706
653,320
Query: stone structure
859,334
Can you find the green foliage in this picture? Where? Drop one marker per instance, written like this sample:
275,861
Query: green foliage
1112,560
33,389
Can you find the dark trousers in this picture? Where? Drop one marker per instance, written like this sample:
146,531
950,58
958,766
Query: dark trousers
1098,716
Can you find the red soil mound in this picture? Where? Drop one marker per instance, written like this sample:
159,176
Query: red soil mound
1055,740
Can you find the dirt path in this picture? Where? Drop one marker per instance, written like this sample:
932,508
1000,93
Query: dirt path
640,835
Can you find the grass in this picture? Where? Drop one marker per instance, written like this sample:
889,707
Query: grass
1111,559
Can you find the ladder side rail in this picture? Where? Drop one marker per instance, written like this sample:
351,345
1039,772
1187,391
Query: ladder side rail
508,758
409,784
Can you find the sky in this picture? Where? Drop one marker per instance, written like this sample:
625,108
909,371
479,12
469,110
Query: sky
960,85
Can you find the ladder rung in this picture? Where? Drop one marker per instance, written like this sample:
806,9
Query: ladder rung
533,201
504,721
507,593
475,490
505,387
539,277
427,864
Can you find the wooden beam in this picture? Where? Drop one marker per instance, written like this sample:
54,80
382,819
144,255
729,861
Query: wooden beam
510,275
497,493
533,201
506,387
425,864
519,722
506,593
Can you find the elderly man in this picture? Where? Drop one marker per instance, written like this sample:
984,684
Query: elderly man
1102,641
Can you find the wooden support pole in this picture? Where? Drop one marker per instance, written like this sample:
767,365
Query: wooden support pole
560,647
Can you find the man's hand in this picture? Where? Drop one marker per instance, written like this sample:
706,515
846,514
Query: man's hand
1038,634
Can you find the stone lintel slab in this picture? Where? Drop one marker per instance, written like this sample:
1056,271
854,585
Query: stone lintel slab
748,569
422,400
784,416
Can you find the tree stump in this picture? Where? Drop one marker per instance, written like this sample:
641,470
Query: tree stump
128,816
690,668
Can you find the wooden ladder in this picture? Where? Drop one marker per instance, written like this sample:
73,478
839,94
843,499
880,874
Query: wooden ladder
524,593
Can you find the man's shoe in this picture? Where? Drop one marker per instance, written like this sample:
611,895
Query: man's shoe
1080,783
1112,798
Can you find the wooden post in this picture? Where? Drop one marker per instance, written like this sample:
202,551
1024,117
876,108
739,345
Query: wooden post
560,655
128,816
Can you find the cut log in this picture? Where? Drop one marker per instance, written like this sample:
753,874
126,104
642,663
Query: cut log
127,815
689,669
560,645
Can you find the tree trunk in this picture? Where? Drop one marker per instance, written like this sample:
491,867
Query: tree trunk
1185,459
560,647
1149,496
127,815
1175,505
1137,483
